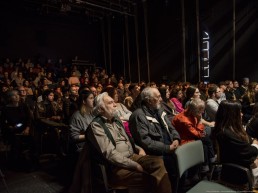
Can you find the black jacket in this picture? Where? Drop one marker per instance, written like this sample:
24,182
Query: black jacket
147,130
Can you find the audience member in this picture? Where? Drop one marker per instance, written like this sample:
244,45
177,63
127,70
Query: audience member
191,93
16,128
177,95
166,104
19,79
203,90
229,91
93,90
190,128
212,104
152,130
49,117
127,164
236,90
81,119
234,144
248,101
222,86
244,86
134,90
71,102
73,79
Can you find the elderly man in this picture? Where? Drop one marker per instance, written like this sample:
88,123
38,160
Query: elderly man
128,165
152,130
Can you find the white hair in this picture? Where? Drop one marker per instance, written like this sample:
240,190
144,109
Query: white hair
194,105
147,94
99,103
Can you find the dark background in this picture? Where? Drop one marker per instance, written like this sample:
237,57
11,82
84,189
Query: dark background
28,30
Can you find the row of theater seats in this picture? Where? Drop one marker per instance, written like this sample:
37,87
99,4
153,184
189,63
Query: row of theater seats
232,177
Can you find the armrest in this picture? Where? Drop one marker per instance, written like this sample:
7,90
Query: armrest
231,173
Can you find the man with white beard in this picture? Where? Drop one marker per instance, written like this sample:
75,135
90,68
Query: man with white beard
152,130
128,165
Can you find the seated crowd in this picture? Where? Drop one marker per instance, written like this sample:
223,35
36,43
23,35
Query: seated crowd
131,128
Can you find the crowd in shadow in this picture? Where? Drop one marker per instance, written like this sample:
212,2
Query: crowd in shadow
58,109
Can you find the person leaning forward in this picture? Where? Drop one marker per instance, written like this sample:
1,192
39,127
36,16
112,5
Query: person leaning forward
128,165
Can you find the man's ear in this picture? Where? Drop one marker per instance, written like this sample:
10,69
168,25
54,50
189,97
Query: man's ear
101,109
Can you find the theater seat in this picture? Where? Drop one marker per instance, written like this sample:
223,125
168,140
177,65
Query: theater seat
189,155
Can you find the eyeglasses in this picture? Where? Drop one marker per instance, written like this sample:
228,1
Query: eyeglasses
22,90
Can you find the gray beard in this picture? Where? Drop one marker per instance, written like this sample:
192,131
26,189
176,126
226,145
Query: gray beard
158,106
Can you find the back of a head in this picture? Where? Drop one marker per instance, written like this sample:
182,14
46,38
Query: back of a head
83,87
228,115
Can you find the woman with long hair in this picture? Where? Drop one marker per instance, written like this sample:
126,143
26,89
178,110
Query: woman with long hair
191,93
248,101
177,95
234,144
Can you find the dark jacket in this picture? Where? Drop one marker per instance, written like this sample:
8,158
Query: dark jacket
234,150
147,130
44,110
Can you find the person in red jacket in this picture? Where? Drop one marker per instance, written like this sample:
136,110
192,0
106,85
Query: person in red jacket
190,128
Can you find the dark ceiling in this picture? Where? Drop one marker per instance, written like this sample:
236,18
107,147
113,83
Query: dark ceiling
93,9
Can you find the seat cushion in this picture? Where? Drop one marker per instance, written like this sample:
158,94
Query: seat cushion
207,186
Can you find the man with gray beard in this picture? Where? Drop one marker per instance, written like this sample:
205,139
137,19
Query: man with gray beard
127,164
152,130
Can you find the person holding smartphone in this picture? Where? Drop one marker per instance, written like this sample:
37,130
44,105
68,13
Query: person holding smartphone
16,126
